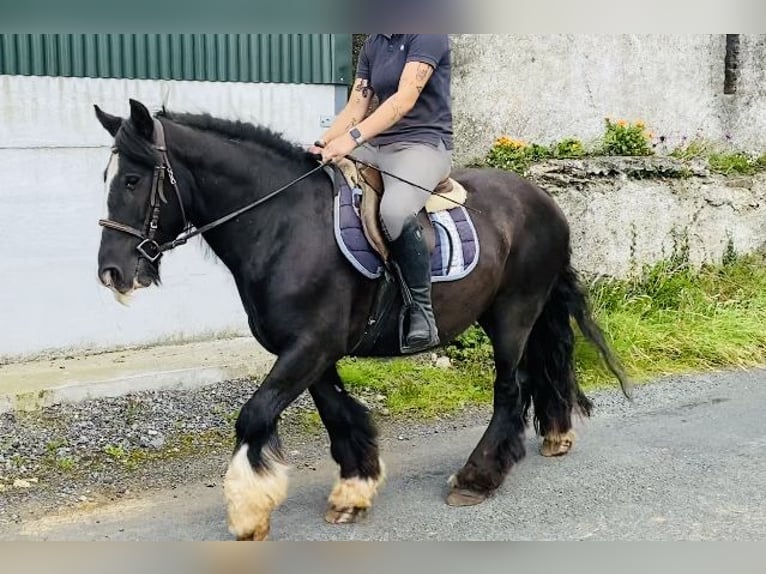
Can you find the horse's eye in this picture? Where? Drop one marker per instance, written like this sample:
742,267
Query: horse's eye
131,181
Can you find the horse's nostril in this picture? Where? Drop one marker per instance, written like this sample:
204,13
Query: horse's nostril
110,276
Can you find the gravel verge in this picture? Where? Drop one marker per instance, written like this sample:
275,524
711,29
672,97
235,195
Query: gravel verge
75,454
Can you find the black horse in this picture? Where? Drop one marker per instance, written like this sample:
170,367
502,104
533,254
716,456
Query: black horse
308,306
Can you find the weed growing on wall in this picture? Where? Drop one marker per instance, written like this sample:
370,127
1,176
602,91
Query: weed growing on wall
516,155
736,163
568,148
694,149
509,154
626,138
621,138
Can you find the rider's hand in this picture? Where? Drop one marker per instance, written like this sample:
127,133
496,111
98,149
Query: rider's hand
338,148
316,149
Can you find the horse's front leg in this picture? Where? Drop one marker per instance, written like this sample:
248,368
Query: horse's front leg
354,446
256,480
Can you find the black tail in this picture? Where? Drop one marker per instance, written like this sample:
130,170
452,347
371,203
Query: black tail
548,375
571,290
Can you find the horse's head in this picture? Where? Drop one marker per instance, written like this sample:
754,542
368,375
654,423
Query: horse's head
143,210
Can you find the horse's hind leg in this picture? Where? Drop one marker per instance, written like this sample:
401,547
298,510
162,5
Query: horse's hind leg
508,323
256,480
354,447
552,385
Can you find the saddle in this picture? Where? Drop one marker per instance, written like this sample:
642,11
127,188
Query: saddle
448,194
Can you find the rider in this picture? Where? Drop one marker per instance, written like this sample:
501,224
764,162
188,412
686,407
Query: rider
409,135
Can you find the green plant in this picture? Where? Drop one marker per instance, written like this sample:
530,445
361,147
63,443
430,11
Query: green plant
472,346
65,464
693,149
115,452
515,155
730,253
626,138
510,154
19,460
55,444
568,148
737,162
310,422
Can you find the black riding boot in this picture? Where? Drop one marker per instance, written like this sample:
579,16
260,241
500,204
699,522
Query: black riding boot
410,253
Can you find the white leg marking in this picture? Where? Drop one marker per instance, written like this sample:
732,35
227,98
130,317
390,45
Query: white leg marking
353,494
252,496
557,444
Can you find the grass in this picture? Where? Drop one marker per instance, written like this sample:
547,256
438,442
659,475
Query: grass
417,388
673,319
728,163
669,319
694,149
736,163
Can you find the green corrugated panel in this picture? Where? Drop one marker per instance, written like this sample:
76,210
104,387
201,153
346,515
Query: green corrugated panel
283,58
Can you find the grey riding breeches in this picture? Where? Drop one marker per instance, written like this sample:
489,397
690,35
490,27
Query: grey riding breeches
421,164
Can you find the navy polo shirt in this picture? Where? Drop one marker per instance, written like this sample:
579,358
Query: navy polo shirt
381,62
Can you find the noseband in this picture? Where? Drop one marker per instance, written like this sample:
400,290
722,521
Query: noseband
149,248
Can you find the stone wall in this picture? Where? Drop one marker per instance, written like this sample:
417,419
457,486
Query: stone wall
627,212
543,88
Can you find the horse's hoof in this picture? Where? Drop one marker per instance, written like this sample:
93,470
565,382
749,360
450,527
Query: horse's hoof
345,515
555,444
465,497
255,536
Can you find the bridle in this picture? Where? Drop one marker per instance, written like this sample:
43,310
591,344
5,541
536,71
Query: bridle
148,247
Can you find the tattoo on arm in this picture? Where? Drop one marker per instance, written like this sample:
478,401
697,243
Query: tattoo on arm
422,74
363,86
396,109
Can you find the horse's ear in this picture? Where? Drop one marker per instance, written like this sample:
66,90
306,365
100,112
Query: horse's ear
141,119
111,123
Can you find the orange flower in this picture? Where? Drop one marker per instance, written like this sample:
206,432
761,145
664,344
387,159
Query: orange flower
505,141
622,123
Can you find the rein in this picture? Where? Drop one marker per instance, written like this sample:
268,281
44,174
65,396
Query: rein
149,248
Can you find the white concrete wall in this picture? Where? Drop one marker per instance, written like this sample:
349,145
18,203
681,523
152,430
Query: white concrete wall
543,88
52,155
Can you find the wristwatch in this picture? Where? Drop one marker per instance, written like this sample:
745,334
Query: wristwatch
357,136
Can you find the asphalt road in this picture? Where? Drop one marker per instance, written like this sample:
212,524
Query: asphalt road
684,462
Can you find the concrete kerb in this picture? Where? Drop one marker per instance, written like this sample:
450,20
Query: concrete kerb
40,383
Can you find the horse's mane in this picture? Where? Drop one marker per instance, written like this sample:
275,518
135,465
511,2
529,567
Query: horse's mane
238,131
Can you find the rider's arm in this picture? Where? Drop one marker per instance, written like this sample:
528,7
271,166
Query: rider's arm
411,83
354,111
